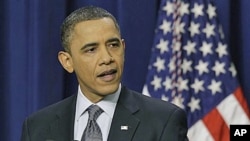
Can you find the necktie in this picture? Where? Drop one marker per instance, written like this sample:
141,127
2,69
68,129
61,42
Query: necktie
92,131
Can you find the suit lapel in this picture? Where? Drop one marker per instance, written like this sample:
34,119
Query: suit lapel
124,123
62,129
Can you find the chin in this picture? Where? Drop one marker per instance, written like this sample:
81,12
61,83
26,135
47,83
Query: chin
109,89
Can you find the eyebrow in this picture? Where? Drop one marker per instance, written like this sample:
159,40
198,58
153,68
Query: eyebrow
95,44
89,45
113,40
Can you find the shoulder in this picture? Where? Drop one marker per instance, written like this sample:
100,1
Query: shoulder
153,106
50,112
38,124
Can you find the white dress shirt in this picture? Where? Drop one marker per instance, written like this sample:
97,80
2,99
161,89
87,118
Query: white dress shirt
108,105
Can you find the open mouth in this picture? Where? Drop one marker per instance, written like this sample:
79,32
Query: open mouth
107,73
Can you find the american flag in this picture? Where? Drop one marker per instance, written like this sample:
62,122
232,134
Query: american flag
190,66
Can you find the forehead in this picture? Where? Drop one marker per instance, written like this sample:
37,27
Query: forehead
95,26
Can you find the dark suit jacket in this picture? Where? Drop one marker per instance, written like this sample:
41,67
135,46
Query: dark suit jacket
147,119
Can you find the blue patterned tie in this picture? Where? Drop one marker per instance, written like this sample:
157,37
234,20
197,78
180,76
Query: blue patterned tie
92,131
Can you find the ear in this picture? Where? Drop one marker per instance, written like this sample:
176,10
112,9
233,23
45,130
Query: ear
66,61
123,43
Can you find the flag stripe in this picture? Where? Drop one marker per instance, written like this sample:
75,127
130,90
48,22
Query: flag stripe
232,112
145,91
242,101
216,125
199,131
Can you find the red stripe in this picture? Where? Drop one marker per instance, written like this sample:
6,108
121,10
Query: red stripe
216,126
239,96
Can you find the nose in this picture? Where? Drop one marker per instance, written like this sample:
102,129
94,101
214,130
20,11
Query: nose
106,56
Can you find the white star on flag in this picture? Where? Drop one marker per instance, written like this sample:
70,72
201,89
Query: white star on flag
219,68
194,28
184,9
166,27
202,67
190,47
221,50
211,11
197,10
162,46
206,48
194,104
186,66
198,85
159,64
209,30
168,8
215,87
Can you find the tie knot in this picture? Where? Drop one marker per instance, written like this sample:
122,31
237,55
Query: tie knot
94,112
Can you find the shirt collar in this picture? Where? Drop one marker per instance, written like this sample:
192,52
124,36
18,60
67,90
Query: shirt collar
107,104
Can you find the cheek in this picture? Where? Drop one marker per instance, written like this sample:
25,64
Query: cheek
119,54
86,73
84,67
120,61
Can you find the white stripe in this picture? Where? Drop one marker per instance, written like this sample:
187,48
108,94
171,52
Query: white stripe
199,132
145,91
232,112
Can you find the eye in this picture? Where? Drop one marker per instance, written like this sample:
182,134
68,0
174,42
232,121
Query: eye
114,44
90,49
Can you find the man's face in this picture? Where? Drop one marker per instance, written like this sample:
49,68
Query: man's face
97,53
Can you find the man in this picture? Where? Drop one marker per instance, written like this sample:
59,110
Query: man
94,50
